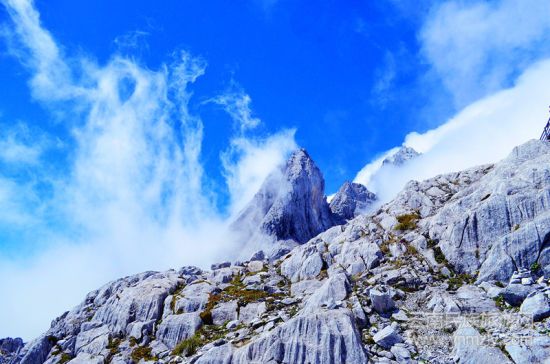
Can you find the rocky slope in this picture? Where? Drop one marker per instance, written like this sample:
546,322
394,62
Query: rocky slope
454,269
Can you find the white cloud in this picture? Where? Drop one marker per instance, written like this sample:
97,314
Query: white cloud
484,132
134,195
479,47
237,104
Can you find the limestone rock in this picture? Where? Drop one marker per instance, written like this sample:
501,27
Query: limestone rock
381,300
537,305
320,338
388,336
469,349
351,200
175,328
514,294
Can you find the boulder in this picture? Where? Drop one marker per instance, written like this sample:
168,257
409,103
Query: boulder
536,350
251,311
331,294
388,336
537,305
381,300
225,311
514,294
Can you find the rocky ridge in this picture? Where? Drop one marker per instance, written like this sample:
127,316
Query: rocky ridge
454,269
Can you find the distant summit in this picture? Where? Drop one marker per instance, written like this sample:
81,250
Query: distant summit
290,205
403,155
351,200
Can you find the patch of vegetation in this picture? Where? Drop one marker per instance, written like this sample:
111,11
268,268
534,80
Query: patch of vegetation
406,288
499,284
459,280
235,291
516,227
65,358
113,348
52,339
133,341
175,295
368,339
56,350
407,221
439,256
201,337
535,267
293,311
142,353
499,301
431,243
411,250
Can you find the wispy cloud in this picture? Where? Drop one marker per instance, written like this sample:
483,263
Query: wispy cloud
237,104
479,47
133,195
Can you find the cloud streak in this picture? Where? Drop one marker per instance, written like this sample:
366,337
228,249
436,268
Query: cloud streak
133,195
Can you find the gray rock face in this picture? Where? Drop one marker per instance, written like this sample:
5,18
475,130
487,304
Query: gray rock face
537,305
501,222
138,301
531,352
351,200
334,290
324,337
304,263
290,205
9,349
403,155
225,312
175,328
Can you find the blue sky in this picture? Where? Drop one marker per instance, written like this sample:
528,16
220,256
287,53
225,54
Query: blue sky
131,133
346,75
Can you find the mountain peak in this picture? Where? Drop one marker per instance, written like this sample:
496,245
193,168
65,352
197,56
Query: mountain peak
350,200
290,205
400,157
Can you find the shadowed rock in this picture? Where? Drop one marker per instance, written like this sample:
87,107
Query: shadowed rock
350,200
290,205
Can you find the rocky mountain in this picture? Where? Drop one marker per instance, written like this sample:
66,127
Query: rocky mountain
453,270
351,200
290,205
403,155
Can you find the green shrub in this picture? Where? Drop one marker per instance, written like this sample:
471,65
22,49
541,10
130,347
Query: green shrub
459,280
189,346
407,221
65,358
535,267
439,256
142,353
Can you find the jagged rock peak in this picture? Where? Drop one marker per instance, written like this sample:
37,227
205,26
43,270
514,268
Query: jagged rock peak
290,205
400,157
350,200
